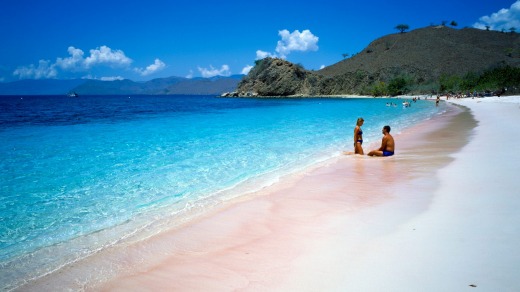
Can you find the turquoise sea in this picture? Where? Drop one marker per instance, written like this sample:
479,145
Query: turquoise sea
81,174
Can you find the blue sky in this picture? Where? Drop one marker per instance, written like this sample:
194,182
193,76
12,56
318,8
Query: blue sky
143,40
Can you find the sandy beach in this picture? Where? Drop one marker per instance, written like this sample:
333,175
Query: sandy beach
440,215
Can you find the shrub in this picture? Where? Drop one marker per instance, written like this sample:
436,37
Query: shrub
360,75
469,81
449,83
379,89
397,86
499,77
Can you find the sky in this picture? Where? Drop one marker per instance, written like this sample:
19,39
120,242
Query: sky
144,40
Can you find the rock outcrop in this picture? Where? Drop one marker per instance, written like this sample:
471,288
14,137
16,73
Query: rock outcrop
274,77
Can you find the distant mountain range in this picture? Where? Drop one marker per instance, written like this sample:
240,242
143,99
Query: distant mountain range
160,86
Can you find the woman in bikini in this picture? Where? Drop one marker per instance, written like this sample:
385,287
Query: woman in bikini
358,137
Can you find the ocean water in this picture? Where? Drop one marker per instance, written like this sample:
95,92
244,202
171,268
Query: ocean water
82,174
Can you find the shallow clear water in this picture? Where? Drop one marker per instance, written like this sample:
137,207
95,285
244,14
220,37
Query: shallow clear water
78,174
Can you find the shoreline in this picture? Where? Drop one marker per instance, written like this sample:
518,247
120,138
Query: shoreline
199,239
423,96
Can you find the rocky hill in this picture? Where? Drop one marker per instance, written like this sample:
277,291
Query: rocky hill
421,58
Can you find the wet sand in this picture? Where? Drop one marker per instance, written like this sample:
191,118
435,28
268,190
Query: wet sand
416,221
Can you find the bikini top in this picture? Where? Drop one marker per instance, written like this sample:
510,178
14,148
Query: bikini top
360,132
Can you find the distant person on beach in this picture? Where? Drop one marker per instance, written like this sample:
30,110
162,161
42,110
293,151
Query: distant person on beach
358,137
387,144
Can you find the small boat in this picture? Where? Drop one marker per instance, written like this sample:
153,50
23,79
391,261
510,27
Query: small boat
72,94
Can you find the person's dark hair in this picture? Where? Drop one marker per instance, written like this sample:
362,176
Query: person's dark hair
387,129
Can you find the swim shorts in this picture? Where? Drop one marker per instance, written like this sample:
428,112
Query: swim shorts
388,153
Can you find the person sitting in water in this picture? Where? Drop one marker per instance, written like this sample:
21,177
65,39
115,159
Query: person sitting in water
387,144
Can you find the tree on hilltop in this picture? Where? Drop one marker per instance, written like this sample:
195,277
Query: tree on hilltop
453,23
402,27
345,55
512,30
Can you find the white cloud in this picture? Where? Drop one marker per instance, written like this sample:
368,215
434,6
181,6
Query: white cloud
105,55
106,78
88,77
74,62
212,72
296,41
303,41
190,75
111,78
44,70
261,55
322,66
158,65
246,69
77,62
503,19
99,56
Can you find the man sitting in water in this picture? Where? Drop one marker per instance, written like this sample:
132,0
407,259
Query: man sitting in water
387,145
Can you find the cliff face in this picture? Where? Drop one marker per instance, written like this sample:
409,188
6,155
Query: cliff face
421,56
274,77
277,77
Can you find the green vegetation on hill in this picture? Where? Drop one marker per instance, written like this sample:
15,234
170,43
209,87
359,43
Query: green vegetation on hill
490,80
493,80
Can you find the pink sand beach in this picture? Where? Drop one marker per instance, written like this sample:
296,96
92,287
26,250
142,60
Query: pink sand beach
440,215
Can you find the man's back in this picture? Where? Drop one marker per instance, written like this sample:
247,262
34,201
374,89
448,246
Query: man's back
389,143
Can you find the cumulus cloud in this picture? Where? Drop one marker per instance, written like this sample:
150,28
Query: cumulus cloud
322,66
261,54
99,56
503,19
105,55
246,69
44,70
74,62
304,41
296,41
212,72
78,62
158,65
